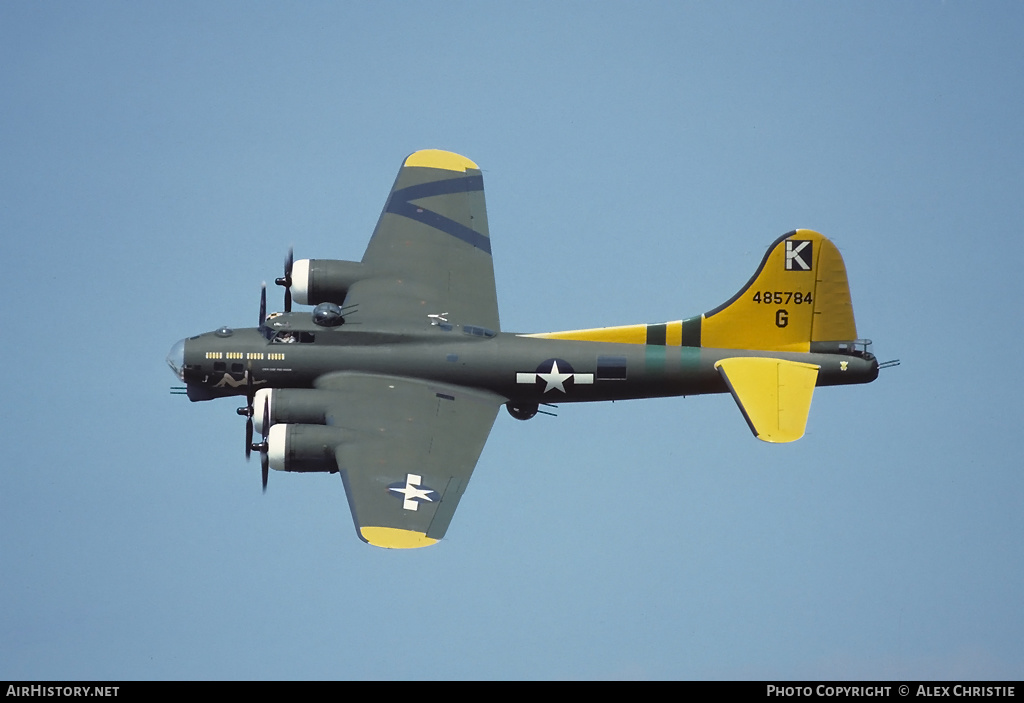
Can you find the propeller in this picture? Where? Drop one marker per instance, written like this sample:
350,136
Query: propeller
264,447
247,411
286,280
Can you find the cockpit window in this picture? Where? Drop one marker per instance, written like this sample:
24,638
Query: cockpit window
478,331
291,337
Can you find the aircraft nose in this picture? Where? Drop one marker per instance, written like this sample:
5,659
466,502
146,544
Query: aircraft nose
176,359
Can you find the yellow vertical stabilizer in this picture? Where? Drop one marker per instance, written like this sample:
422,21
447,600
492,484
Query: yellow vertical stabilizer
774,395
798,295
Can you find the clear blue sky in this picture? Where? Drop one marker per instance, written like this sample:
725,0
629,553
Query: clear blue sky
157,159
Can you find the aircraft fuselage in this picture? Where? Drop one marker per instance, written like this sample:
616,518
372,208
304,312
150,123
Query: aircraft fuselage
517,367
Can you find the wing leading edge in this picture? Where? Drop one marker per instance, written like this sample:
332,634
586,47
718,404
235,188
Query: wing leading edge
411,448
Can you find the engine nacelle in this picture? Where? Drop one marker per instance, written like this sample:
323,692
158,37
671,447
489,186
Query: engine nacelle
316,281
289,405
305,448
521,411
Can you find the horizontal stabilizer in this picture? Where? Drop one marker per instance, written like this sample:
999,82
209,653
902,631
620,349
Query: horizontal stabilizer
774,395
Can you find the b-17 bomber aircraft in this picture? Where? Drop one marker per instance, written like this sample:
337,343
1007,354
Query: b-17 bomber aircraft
395,378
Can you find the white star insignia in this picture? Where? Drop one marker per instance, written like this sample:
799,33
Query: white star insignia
413,493
554,379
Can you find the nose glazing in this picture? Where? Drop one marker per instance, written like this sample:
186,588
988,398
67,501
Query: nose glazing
176,359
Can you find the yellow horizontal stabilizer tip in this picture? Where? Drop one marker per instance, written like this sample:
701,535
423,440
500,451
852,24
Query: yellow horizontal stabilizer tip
395,538
435,158
774,395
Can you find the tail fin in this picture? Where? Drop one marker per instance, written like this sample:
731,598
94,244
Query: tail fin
798,295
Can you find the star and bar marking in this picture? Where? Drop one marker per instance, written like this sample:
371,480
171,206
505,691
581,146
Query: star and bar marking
555,378
412,492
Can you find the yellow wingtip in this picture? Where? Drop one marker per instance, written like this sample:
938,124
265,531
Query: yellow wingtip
395,538
436,158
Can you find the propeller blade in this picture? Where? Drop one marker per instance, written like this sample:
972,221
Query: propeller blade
264,445
248,438
248,411
263,306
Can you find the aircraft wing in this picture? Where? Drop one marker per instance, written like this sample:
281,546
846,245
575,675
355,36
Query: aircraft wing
431,249
410,448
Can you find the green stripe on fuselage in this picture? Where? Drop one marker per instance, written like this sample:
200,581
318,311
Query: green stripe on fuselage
656,334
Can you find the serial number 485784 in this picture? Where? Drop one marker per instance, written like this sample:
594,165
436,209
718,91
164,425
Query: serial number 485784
785,297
